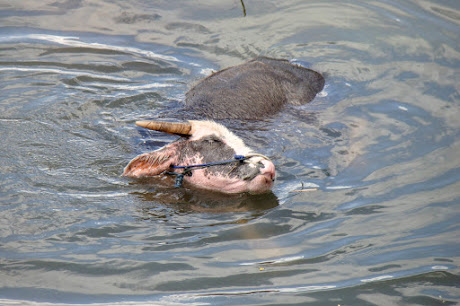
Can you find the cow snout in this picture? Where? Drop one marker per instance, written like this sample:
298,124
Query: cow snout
268,169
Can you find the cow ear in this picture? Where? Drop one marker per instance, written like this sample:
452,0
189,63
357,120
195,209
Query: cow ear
149,164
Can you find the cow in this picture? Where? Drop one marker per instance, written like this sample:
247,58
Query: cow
208,156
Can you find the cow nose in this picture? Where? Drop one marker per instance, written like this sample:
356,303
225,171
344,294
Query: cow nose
268,169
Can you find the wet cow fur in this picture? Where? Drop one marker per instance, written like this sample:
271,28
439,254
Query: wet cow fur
254,90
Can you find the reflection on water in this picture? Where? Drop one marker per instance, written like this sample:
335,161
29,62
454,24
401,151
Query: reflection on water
184,199
364,210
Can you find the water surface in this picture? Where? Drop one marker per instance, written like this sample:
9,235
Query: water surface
365,210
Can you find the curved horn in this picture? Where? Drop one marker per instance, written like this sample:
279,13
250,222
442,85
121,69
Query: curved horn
167,127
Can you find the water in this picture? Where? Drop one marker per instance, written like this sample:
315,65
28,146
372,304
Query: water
365,208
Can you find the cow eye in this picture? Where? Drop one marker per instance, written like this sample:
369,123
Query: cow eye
213,140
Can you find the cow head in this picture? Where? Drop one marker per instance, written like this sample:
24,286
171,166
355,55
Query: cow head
205,142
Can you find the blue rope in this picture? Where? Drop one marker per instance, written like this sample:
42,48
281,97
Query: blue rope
188,169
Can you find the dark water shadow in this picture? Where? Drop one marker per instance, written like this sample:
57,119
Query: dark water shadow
161,191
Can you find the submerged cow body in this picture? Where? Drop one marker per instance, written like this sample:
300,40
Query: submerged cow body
211,157
254,90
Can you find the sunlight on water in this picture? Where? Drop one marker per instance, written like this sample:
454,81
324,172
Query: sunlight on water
74,73
76,42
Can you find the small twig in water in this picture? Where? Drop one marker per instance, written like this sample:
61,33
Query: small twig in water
304,190
244,8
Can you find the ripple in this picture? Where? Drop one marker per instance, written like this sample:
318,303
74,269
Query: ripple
65,72
74,41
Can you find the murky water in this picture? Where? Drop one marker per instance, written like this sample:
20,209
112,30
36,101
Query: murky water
365,210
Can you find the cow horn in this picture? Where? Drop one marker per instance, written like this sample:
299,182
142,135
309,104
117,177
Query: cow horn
167,127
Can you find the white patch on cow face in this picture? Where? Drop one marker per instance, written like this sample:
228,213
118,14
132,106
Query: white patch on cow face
202,129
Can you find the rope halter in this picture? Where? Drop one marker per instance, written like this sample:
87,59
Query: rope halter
187,170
